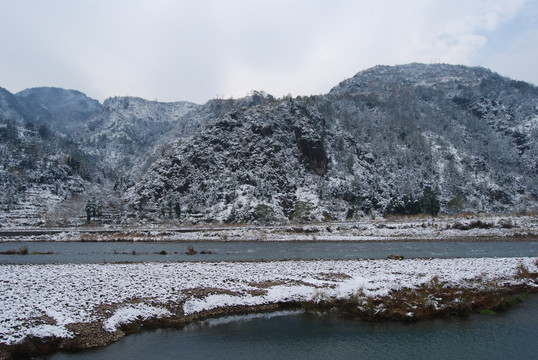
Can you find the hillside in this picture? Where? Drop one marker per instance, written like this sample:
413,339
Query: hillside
391,140
128,129
405,139
39,173
63,110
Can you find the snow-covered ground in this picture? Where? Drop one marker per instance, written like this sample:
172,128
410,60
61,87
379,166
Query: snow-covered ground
474,227
43,300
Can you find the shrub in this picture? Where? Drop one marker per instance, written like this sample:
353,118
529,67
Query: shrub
23,250
476,224
506,223
523,272
264,214
302,211
191,251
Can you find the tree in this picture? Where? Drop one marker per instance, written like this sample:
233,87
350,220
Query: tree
11,132
455,205
73,163
93,210
405,205
430,203
171,206
43,131
177,209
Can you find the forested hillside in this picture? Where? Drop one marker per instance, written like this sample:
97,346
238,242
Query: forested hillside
391,140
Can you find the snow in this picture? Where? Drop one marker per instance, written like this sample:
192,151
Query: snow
127,314
213,301
42,300
249,317
381,229
46,330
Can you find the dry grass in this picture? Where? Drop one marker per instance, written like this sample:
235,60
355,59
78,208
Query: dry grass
23,250
432,299
524,273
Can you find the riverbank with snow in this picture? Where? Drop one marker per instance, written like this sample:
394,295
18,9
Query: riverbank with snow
446,228
85,305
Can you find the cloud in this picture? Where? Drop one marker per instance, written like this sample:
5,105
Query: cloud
185,50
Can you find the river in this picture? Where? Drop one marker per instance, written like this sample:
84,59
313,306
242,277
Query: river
115,252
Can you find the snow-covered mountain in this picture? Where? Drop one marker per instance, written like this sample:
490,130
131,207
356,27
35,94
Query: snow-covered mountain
402,139
127,130
63,110
392,139
39,172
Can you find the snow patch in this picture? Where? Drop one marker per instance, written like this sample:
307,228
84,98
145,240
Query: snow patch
127,314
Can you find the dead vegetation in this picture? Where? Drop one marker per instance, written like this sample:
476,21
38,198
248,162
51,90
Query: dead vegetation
23,250
432,299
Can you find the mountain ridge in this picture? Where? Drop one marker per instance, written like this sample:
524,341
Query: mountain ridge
390,140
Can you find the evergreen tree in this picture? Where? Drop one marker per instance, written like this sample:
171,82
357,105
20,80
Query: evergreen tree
93,210
430,203
177,209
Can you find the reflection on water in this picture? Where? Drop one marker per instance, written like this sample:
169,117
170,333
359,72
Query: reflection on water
511,335
73,252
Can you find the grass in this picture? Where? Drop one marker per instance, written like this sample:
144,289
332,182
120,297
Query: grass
23,250
191,251
523,272
475,224
32,346
42,253
433,299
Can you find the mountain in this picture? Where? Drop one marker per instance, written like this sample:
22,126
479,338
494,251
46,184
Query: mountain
60,109
106,146
390,140
10,109
60,149
403,139
40,171
127,130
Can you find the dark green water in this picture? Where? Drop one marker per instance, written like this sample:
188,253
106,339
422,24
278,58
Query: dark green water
113,252
511,335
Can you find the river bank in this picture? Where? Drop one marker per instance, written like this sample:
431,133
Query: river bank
75,306
474,227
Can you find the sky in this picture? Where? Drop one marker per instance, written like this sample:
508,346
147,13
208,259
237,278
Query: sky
178,50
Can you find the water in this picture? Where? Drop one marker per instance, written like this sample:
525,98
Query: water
511,335
113,252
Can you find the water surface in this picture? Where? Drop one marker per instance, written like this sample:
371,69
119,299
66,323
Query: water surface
113,252
511,335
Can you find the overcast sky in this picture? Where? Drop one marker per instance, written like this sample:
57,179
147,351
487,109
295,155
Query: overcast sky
174,50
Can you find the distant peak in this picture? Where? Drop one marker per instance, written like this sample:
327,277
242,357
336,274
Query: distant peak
385,76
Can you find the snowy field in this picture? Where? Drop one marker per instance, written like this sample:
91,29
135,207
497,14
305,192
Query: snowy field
44,300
